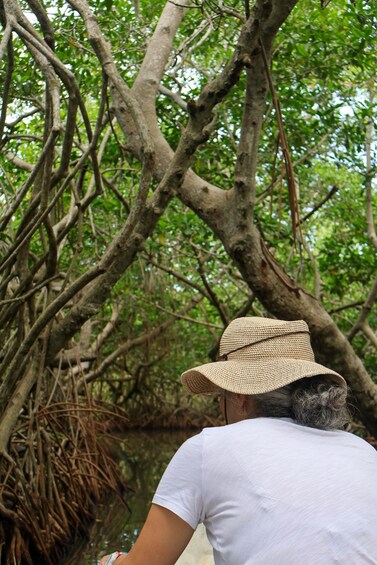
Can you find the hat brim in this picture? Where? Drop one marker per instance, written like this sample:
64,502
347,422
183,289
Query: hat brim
253,377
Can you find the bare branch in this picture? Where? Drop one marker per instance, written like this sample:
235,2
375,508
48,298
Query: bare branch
125,347
317,276
319,205
247,152
24,297
189,319
22,192
107,330
369,333
105,57
365,311
37,47
370,173
179,277
157,55
6,44
43,19
173,96
5,40
211,293
20,163
11,372
346,306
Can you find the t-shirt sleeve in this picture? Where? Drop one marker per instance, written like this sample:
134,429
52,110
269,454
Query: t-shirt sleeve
180,488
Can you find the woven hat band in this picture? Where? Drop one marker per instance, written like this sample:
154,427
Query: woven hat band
266,339
225,356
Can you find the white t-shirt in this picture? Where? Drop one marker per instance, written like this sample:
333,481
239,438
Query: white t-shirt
272,492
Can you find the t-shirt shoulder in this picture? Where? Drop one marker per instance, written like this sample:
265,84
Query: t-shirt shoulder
180,488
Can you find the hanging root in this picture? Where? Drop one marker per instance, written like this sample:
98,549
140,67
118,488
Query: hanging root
53,475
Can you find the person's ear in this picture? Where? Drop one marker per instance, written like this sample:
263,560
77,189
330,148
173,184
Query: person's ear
247,405
243,402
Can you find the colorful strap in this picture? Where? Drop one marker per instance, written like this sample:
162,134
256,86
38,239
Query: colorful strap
114,556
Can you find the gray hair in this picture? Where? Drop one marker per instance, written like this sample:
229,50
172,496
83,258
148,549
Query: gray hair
317,402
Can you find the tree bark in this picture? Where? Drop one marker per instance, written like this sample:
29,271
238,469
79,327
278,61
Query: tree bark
229,213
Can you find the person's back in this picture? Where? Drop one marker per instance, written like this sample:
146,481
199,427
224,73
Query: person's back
301,496
271,492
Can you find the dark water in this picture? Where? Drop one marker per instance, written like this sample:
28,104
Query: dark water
143,458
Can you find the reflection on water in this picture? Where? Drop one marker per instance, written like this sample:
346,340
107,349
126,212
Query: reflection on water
143,458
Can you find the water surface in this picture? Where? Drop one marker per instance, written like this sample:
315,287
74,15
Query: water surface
143,459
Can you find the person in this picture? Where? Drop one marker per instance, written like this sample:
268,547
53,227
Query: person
282,483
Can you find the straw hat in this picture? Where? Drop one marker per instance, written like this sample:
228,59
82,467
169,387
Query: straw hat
259,355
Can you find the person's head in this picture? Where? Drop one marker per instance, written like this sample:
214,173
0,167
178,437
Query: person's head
266,367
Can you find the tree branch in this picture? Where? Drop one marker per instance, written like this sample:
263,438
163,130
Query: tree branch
105,57
174,96
125,347
365,311
370,172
